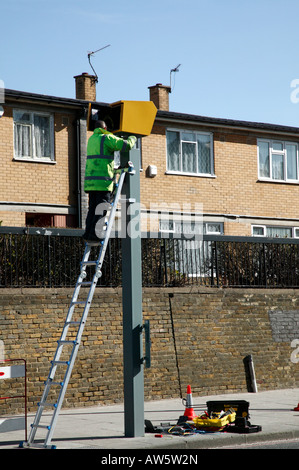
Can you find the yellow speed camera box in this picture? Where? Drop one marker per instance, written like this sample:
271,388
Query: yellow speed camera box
136,117
129,117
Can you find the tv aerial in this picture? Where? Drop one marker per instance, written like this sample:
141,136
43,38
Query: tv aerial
176,69
89,54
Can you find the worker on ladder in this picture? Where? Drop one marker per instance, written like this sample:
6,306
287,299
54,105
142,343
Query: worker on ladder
99,177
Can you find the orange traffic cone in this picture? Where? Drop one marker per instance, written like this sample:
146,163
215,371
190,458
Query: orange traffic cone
189,411
297,408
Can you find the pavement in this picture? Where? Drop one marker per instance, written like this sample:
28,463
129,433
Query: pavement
102,427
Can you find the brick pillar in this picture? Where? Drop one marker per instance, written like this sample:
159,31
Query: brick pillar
85,87
159,94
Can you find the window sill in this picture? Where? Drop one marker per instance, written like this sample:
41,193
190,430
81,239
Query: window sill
35,160
197,175
268,180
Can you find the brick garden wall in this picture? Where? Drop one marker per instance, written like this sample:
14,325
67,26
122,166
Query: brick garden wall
199,336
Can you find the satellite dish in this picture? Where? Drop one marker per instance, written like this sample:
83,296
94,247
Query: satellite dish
1,111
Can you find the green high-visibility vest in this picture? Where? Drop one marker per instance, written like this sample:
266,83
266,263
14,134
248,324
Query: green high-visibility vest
99,170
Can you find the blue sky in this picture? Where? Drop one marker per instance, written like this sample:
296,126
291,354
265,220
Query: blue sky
238,58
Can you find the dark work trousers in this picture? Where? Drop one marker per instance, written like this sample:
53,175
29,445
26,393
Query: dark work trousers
98,205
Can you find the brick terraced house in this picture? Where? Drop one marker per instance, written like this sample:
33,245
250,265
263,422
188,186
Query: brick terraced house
219,176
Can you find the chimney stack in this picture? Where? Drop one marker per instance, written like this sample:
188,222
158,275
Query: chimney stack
85,87
159,94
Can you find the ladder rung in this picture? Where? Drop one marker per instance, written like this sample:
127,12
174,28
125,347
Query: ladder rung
88,263
85,283
55,363
49,382
44,426
79,302
65,341
72,322
45,403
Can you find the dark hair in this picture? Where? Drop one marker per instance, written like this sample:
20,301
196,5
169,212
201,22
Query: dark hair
101,124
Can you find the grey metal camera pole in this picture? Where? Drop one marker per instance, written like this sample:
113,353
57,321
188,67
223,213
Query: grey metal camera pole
132,301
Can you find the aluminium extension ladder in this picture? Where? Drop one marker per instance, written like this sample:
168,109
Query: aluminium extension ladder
73,344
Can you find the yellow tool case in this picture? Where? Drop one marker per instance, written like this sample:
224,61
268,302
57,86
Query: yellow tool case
214,423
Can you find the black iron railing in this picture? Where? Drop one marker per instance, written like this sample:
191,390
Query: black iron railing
38,257
49,258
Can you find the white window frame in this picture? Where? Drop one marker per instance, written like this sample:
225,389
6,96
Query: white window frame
210,232
33,157
264,227
197,173
258,226
167,230
206,230
272,153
